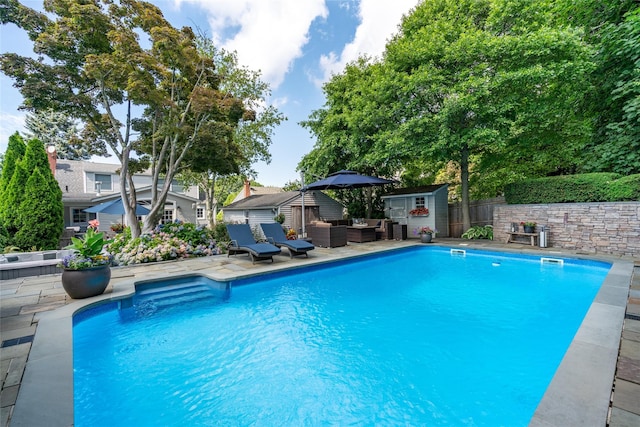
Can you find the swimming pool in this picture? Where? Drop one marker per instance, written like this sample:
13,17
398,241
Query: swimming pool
408,338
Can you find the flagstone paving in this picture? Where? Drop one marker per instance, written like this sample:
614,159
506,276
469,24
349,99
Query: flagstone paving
23,299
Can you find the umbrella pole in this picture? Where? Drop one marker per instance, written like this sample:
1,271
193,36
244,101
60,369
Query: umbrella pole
302,203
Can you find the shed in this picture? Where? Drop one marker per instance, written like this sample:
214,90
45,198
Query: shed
263,208
399,204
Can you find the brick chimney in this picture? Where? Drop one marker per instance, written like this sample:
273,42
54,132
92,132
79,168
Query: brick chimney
247,188
52,155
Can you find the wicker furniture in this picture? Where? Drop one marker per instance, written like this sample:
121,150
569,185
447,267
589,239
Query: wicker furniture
400,231
326,235
361,234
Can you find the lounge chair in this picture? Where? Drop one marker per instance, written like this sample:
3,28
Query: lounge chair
275,235
242,241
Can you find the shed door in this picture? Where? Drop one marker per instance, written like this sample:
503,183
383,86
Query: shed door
398,210
312,213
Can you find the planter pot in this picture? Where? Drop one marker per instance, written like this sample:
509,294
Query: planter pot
86,283
425,238
528,229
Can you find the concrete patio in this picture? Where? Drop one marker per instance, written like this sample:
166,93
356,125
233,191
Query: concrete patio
24,301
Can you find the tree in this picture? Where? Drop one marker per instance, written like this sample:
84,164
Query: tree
31,207
490,84
616,143
92,66
15,151
294,185
61,131
40,216
233,145
12,198
352,131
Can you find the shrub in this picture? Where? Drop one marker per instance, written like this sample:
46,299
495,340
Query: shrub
220,233
592,187
168,241
479,232
625,188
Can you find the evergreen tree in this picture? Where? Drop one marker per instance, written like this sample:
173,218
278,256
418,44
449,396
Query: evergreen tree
12,198
58,129
15,151
40,217
35,156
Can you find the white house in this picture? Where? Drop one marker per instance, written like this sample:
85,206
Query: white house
399,204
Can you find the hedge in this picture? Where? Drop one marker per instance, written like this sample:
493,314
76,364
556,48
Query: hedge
591,187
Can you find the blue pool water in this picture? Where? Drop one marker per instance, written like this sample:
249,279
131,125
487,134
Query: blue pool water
415,337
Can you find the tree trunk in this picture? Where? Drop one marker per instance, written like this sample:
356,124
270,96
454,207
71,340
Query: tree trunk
129,199
464,187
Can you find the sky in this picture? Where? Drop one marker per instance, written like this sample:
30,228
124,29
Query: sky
297,45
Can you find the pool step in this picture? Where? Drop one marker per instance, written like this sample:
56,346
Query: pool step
167,296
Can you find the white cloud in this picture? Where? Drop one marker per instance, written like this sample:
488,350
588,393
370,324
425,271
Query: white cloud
379,21
268,35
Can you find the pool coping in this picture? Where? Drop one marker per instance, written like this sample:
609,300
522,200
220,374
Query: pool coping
579,392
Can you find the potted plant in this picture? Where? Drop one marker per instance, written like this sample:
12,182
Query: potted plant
292,234
117,227
425,233
279,218
529,226
86,271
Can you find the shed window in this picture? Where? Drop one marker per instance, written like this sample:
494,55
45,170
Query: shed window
420,202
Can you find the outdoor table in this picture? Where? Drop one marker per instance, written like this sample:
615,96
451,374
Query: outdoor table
361,234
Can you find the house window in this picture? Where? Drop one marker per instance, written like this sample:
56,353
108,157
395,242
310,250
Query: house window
104,181
200,213
167,217
420,202
176,187
78,216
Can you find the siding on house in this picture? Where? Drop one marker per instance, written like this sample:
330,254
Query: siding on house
263,208
77,181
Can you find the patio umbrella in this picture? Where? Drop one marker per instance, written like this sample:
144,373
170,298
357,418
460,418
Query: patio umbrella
342,180
115,207
346,179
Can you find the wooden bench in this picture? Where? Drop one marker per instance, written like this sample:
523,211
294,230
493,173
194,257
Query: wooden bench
512,234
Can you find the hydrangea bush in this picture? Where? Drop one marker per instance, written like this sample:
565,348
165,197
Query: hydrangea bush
166,242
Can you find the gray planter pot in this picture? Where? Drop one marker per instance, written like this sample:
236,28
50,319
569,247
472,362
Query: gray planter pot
425,238
86,283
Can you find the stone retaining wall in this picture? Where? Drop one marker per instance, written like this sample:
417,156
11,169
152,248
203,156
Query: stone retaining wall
603,228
